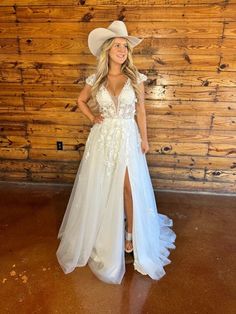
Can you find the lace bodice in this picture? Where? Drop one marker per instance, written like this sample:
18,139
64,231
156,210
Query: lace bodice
122,106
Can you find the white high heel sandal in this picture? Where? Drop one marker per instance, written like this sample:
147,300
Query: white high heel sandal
128,237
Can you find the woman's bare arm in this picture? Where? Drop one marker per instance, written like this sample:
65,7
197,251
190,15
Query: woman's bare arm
83,98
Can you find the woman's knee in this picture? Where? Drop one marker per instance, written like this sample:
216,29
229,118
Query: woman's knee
127,186
127,189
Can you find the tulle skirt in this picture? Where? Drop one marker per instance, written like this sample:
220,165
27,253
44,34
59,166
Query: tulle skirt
93,228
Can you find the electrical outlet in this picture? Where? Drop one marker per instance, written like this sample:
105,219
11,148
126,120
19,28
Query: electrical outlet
59,145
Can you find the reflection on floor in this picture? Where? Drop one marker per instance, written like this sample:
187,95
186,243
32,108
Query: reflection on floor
200,279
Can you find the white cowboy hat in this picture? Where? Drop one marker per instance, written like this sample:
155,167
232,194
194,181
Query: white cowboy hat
98,36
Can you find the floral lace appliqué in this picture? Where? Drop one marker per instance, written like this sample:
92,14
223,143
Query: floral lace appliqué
118,126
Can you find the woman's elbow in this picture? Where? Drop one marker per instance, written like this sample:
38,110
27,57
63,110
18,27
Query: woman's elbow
80,103
141,112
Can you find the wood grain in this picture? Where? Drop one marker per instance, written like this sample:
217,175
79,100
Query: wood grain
188,54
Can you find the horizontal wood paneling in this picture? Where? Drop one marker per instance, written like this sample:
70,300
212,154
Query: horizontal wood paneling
9,45
64,3
206,162
140,12
186,185
13,153
179,61
194,46
188,54
159,29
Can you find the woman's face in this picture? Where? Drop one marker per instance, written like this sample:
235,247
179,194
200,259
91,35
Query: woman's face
119,50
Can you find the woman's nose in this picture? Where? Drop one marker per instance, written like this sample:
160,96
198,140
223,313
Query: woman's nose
122,49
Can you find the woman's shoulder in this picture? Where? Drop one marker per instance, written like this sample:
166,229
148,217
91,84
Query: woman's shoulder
141,77
90,79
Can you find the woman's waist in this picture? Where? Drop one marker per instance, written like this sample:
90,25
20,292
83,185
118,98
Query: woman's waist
118,118
118,121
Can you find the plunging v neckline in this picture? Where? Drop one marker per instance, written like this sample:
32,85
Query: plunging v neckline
110,94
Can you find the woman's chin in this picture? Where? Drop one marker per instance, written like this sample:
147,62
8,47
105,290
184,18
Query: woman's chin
119,61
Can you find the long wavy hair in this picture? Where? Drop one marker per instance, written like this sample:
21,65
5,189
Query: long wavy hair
128,68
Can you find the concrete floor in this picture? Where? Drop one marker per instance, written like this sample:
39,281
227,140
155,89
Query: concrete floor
200,279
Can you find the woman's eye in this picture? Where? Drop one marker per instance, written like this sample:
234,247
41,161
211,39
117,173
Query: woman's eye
118,45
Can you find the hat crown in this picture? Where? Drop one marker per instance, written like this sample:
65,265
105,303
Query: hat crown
119,28
99,35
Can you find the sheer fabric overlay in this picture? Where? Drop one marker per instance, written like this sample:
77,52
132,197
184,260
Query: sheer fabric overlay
92,231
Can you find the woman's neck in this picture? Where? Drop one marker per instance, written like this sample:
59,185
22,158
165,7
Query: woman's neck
114,69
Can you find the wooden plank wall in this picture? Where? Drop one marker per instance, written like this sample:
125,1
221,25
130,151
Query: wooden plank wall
189,57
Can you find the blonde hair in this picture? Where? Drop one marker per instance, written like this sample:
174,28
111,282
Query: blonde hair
128,68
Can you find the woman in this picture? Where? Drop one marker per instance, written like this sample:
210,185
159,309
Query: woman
112,206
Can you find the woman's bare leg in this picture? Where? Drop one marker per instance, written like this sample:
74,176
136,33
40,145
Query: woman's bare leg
128,204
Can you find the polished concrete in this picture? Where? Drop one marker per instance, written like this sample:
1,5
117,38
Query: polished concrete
200,279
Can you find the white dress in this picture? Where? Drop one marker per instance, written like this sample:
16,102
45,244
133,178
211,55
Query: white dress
93,227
